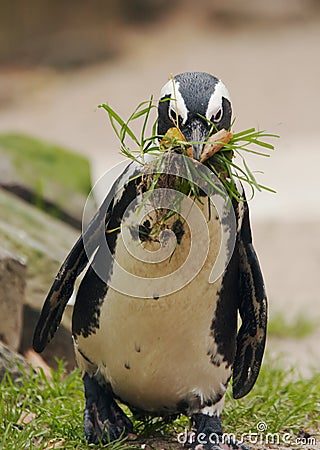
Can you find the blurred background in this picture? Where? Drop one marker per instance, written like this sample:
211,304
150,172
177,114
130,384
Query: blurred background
59,60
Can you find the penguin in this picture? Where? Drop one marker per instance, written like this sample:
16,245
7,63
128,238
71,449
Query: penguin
144,335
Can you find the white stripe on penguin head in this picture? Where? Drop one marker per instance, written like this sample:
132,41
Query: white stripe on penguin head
177,104
215,102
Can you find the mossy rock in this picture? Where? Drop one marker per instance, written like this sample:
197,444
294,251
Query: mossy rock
40,240
12,363
51,177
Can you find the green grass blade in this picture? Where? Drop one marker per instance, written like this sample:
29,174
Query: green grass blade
242,133
262,144
145,122
251,176
124,128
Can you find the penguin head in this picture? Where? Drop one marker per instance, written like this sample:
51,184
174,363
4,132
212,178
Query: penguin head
187,99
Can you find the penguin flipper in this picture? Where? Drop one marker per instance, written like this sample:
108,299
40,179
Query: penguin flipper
251,336
62,288
63,285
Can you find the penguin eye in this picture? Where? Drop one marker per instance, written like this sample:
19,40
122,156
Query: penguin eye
217,116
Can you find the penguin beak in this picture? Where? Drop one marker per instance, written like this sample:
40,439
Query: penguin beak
196,131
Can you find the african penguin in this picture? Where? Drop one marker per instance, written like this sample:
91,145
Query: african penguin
144,334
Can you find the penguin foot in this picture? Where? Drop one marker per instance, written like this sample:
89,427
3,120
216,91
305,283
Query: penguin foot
208,435
104,420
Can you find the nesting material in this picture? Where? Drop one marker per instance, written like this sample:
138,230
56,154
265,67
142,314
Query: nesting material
215,143
218,153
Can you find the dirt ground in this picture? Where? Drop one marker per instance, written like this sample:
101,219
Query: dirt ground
272,71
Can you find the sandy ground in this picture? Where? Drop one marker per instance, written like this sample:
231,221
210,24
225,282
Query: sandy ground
273,75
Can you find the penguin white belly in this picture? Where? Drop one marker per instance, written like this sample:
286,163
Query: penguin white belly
157,352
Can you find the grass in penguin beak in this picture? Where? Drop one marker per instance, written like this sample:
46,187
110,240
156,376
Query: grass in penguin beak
215,143
175,140
218,151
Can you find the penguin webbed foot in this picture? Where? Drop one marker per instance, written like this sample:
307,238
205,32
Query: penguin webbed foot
208,435
104,420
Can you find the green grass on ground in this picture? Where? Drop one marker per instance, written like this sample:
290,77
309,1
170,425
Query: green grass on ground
283,402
